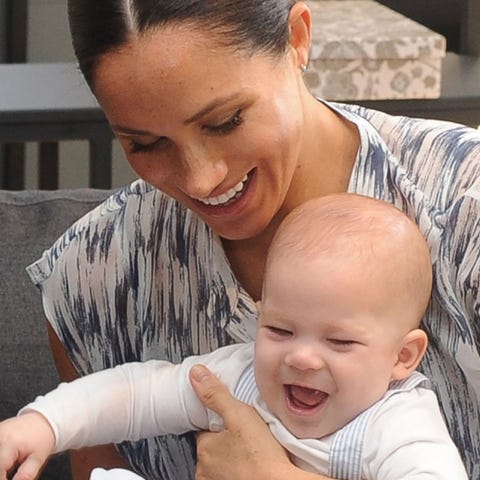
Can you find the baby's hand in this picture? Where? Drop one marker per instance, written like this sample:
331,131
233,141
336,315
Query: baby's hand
25,444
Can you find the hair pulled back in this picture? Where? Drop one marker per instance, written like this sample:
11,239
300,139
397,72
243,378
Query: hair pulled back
100,26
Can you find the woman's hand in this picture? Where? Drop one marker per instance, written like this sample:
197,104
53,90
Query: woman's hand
25,443
245,449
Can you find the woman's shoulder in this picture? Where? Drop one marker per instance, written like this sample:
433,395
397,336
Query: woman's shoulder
131,214
416,153
439,141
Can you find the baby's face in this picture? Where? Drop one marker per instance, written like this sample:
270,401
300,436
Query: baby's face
327,343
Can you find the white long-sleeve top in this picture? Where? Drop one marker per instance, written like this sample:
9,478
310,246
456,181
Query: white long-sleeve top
402,436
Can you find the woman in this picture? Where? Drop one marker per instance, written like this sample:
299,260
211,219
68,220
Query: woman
209,104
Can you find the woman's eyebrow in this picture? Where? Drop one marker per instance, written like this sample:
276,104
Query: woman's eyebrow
132,131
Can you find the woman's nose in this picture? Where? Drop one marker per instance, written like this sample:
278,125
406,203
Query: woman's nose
202,172
304,357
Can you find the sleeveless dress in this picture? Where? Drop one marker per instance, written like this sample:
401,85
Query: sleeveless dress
142,277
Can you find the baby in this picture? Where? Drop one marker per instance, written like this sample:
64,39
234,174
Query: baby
332,370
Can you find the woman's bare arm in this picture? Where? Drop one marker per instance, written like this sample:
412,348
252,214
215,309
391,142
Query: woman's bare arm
85,459
246,448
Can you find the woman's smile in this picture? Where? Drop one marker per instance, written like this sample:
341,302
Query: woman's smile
229,196
231,202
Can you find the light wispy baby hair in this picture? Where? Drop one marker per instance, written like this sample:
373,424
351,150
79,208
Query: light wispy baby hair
350,228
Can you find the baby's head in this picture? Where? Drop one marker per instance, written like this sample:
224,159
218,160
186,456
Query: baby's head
372,243
347,281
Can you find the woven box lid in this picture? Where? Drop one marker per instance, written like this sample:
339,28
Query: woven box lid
365,29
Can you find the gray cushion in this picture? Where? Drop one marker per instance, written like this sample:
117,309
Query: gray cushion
30,221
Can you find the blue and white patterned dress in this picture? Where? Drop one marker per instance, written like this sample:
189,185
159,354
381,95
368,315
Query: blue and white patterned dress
141,277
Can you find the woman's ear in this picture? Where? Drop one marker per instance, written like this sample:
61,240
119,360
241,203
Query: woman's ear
411,353
300,24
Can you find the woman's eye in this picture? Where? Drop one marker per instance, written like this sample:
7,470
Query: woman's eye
135,147
226,127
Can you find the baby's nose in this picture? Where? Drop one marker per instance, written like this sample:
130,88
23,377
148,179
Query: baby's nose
305,357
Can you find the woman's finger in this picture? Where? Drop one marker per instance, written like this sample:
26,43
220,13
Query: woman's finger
214,394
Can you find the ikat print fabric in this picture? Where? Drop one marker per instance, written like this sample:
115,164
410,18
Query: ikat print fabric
141,277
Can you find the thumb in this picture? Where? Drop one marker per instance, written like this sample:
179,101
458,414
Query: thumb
213,393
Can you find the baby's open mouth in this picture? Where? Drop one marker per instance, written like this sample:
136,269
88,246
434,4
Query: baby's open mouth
303,398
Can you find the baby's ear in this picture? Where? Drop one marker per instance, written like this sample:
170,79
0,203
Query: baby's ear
413,348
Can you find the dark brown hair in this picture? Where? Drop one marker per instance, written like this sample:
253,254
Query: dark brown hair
100,26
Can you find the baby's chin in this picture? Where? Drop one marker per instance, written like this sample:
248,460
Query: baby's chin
304,432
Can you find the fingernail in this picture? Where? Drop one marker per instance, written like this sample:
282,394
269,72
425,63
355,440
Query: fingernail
199,373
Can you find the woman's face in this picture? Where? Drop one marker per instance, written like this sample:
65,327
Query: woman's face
214,128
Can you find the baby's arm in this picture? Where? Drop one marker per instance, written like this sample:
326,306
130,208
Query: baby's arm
128,402
108,406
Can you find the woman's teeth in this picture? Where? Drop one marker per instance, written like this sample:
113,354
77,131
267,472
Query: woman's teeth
227,196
